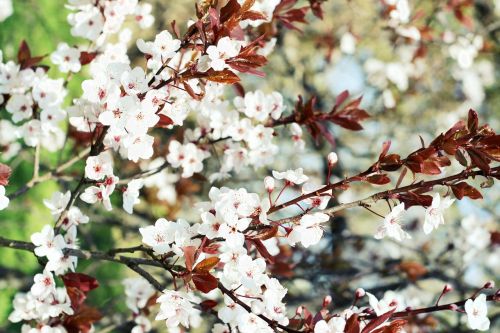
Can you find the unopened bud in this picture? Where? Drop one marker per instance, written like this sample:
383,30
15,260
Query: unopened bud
326,301
360,293
453,307
489,285
269,184
447,288
332,159
299,310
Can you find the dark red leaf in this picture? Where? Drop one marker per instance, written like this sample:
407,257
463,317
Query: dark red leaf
24,52
81,321
463,189
204,282
380,179
341,98
374,323
87,57
263,250
352,324
208,304
80,281
472,121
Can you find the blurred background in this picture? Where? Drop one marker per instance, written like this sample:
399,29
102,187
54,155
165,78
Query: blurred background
409,87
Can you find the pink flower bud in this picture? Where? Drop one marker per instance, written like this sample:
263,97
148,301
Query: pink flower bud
332,159
360,293
326,301
269,184
447,288
453,307
489,285
299,311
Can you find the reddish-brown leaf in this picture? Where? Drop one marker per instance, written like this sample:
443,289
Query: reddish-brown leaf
472,121
376,322
350,116
414,199
412,269
81,321
380,179
463,189
352,324
24,52
267,233
206,264
87,57
263,250
204,282
5,172
225,76
390,162
80,281
189,256
393,327
208,305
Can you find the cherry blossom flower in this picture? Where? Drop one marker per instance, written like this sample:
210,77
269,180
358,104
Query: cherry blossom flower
160,236
391,226
477,312
6,9
134,82
225,49
98,167
176,309
20,106
131,195
296,131
381,306
100,89
320,201
66,58
187,156
334,325
142,15
87,23
434,214
93,194
143,325
44,285
252,272
46,242
142,118
292,176
138,292
57,204
139,146
309,231
4,200
75,217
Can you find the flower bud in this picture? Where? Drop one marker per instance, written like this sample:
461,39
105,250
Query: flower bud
453,307
489,285
447,288
299,311
269,184
360,293
326,301
332,159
